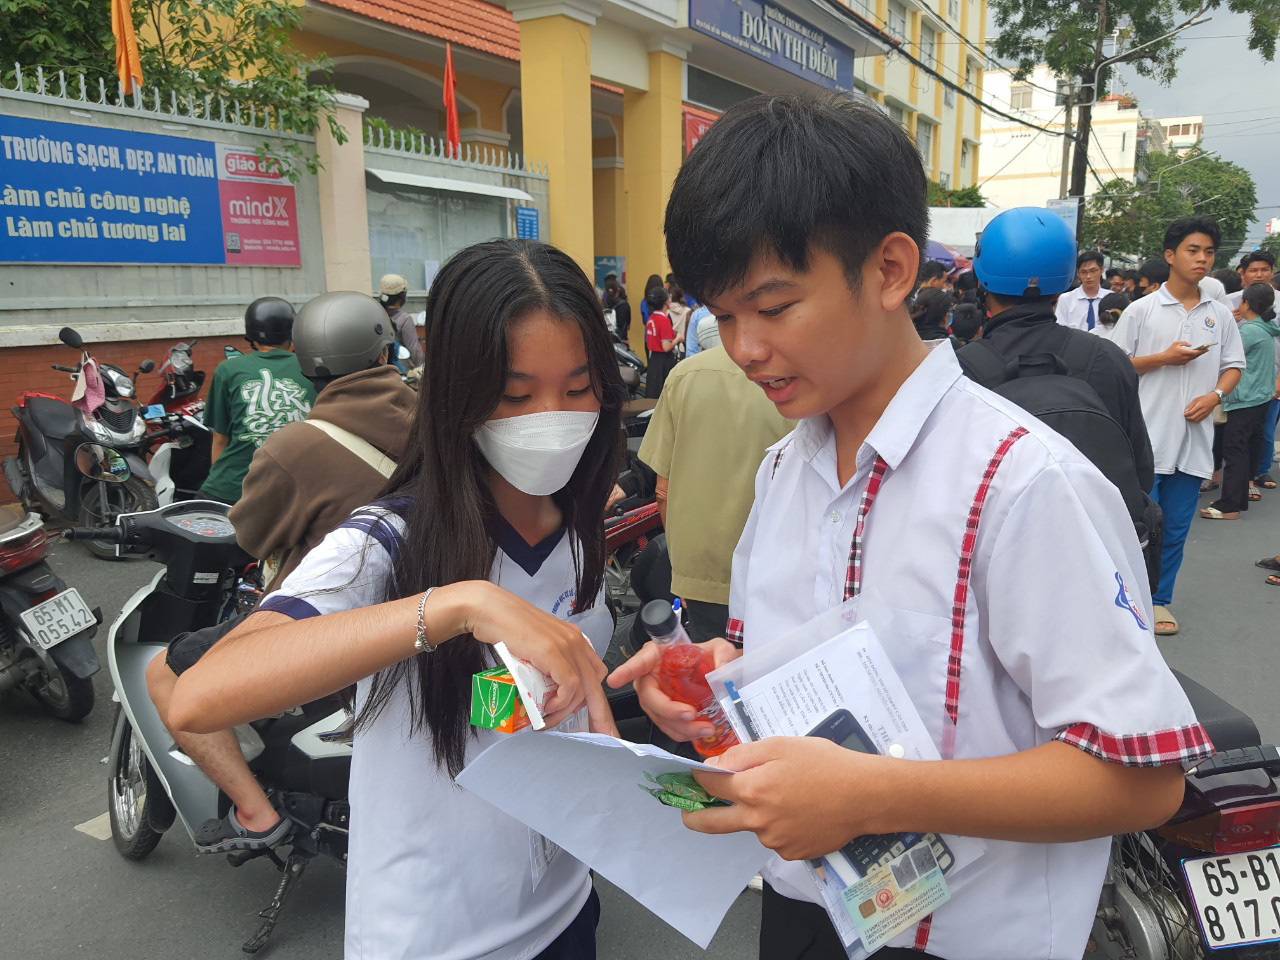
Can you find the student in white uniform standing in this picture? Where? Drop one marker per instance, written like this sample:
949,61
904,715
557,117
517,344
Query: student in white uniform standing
1010,564
1186,348
1078,307
491,528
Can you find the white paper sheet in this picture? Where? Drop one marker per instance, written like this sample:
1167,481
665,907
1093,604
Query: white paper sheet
583,792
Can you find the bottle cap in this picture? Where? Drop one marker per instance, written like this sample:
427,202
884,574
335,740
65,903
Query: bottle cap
658,618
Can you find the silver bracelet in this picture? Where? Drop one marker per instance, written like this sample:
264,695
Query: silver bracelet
420,642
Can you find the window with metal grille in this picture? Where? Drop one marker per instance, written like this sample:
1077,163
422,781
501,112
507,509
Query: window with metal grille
1020,96
897,19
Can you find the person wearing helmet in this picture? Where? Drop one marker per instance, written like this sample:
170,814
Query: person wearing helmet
303,482
392,291
253,395
1025,259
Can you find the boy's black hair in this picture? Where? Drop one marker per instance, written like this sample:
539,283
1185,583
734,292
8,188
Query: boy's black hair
932,270
1112,272
1179,230
1131,275
1118,302
967,281
966,321
1088,255
1229,279
1155,270
1255,256
1261,298
782,176
657,297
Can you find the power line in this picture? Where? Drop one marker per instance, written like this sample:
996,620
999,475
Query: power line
1029,142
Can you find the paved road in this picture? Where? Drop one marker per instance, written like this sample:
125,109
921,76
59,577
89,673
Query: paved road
68,892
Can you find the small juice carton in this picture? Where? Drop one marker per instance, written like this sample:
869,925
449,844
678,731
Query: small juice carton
495,702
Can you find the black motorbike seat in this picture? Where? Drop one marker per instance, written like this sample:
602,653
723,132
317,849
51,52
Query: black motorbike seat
53,418
1228,727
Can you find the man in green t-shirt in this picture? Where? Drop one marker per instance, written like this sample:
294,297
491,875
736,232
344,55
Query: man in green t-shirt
254,395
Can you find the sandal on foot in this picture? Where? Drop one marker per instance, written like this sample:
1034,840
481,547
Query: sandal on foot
1254,494
1209,485
1213,513
1166,624
222,835
1265,481
1272,581
1269,563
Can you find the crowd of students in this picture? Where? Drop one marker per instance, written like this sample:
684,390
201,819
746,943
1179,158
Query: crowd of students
797,224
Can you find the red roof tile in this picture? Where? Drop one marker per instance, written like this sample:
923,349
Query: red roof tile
468,23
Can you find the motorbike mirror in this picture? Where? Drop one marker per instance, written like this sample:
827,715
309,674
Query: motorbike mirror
146,366
101,463
71,338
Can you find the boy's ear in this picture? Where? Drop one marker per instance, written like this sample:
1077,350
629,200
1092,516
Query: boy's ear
896,263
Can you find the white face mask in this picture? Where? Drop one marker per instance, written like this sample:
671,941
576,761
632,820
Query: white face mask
538,452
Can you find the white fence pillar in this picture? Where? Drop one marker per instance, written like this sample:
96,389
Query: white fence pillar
344,216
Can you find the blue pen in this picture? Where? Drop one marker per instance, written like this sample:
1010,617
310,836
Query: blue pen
678,608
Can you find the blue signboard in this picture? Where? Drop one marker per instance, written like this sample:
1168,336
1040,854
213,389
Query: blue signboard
75,193
527,223
769,33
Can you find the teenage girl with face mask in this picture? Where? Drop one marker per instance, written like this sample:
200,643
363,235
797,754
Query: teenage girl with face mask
490,529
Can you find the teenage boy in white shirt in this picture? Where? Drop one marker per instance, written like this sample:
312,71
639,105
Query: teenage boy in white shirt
1078,308
1186,348
1058,722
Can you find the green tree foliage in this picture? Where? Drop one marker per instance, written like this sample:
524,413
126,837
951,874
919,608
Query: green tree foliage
1126,220
940,196
1070,36
237,50
1271,243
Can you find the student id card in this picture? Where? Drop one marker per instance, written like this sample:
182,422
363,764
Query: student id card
895,897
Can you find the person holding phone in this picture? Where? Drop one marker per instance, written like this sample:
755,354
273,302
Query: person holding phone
491,529
800,221
1186,348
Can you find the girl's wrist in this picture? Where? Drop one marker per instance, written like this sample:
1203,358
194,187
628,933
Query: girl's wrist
451,610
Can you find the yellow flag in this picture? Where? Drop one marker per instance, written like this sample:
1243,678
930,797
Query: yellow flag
128,64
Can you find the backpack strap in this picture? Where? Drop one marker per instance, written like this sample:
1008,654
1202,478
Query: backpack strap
1077,353
362,448
982,364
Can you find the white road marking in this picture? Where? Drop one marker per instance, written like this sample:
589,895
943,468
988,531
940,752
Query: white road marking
99,827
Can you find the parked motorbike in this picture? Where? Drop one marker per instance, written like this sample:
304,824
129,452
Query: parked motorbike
52,432
302,756
630,367
45,627
1209,879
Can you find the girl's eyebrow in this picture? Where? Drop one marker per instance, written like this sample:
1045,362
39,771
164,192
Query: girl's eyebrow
518,375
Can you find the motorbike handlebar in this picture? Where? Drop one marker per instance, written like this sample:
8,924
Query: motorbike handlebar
61,369
103,534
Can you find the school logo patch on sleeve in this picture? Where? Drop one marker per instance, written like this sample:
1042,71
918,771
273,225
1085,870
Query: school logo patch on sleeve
1125,602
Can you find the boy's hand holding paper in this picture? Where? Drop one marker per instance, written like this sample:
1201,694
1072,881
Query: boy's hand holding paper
802,796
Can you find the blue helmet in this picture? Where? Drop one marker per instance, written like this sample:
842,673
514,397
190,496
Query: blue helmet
1027,251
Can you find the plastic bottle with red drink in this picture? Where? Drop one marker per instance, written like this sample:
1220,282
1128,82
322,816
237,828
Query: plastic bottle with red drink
682,674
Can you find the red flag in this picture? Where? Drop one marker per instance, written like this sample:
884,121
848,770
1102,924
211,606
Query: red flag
452,137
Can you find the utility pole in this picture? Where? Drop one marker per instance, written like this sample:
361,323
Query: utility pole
1066,142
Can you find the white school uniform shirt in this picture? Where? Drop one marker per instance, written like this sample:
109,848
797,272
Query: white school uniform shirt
1149,326
1212,288
1073,308
1055,636
433,873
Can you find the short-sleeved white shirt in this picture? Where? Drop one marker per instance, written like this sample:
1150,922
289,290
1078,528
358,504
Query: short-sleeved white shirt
433,873
1056,642
1212,288
1149,326
1073,308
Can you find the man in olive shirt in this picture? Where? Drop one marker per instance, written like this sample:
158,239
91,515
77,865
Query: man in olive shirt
708,435
254,395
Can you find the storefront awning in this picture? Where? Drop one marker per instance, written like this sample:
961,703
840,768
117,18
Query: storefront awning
447,184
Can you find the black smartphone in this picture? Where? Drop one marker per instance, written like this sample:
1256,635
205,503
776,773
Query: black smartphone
867,853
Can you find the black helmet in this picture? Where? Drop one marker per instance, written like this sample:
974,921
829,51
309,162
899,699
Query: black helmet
268,321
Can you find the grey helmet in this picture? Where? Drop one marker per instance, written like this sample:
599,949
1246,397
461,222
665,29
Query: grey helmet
340,333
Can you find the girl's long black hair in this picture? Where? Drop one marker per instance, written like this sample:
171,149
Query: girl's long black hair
440,487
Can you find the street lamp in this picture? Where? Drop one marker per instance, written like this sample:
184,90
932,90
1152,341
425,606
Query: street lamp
1196,20
1183,163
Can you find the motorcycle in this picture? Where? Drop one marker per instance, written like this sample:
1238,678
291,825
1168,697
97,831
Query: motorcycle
630,366
181,462
53,434
46,628
1209,879
302,757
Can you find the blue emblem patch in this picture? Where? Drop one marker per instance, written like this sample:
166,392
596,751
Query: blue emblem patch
1125,602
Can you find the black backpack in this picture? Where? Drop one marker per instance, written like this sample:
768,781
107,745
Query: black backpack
1051,387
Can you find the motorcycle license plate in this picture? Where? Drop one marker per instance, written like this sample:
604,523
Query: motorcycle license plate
58,618
1236,897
